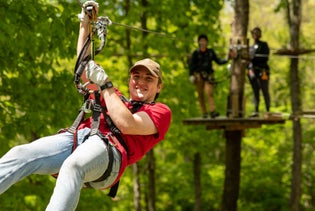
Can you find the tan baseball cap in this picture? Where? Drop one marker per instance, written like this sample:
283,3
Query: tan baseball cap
151,65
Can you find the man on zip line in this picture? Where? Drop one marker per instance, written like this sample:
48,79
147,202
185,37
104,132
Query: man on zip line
95,151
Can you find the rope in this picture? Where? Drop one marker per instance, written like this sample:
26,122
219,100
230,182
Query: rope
174,37
289,56
145,30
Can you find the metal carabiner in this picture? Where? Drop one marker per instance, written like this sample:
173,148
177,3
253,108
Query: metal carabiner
87,106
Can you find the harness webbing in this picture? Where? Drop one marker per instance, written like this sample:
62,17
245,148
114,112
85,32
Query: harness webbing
96,114
110,164
113,128
97,109
109,169
76,122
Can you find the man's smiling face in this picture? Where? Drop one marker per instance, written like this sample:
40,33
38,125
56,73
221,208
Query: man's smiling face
143,86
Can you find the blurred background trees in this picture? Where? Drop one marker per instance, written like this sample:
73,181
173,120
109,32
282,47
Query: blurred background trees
38,97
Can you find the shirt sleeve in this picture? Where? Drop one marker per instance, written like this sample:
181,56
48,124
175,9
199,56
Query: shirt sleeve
217,59
161,116
193,63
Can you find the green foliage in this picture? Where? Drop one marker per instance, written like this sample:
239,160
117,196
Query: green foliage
28,194
29,80
37,97
265,170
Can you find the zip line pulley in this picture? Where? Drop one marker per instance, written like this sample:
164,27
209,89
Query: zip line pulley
98,26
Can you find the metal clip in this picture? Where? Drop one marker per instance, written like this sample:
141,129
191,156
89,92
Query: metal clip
87,106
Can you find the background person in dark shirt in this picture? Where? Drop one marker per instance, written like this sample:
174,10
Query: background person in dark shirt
201,74
258,70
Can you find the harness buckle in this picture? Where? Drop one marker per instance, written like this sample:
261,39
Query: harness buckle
97,107
87,106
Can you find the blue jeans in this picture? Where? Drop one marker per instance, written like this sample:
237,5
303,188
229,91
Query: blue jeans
52,154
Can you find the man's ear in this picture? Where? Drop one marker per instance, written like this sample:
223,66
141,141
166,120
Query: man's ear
160,86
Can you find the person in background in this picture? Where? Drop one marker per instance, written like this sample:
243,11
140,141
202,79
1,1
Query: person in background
201,74
258,70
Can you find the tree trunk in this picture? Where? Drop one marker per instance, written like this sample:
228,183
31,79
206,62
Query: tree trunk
136,187
151,180
235,107
197,180
232,170
294,19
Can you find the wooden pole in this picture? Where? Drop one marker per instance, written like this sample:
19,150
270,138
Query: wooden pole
232,170
235,109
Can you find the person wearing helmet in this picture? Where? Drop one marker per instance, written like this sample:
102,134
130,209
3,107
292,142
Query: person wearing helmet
201,74
258,70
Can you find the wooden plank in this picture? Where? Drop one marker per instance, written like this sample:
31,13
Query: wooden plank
232,127
232,123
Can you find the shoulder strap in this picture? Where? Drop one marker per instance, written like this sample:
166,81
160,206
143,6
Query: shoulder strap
96,115
111,125
135,107
113,190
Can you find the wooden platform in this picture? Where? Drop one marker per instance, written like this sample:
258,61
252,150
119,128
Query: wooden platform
232,123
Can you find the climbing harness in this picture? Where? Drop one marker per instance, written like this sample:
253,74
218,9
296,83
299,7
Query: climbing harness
93,106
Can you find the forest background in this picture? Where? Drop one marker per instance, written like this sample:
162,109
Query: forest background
38,97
